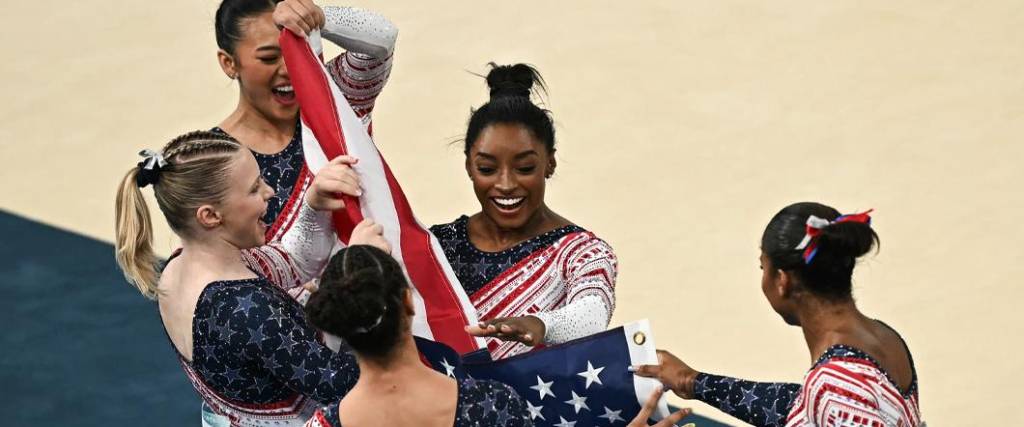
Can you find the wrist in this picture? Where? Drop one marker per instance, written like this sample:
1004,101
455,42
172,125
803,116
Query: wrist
689,382
537,328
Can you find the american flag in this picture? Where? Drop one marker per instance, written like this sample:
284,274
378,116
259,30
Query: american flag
329,129
581,383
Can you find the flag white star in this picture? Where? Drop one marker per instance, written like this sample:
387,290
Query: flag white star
591,375
534,410
565,423
543,387
449,369
611,415
578,402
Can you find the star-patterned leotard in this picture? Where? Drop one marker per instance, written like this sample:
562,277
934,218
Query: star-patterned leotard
252,344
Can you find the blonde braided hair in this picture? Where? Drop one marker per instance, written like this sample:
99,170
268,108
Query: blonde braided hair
197,171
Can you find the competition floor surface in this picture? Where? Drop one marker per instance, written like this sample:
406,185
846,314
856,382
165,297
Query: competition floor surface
682,126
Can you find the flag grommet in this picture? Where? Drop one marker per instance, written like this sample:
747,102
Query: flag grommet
639,338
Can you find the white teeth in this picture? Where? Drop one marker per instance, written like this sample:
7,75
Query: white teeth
508,202
285,89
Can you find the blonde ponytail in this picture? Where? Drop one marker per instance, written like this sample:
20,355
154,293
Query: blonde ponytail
134,243
193,169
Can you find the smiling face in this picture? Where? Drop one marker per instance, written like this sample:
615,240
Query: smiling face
259,67
245,201
508,167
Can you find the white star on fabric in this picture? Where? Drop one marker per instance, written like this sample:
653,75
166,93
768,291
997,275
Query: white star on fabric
578,402
611,415
534,410
565,423
591,375
543,387
448,369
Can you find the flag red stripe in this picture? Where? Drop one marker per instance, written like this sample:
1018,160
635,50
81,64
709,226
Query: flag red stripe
444,310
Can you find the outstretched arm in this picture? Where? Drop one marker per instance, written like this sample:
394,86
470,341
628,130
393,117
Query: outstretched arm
758,403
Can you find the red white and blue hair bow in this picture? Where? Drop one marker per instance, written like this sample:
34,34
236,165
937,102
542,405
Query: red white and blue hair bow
809,244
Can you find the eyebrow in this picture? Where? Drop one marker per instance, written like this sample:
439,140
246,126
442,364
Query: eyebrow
269,48
255,182
524,154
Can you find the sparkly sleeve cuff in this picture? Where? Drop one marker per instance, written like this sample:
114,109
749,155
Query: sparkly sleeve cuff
309,242
587,315
358,30
363,70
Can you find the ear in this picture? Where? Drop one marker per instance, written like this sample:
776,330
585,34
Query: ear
785,283
227,64
208,217
410,308
550,170
469,168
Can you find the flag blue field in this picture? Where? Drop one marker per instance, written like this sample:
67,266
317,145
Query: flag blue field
581,383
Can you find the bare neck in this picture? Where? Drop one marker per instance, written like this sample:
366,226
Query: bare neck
488,235
212,256
258,131
827,323
388,373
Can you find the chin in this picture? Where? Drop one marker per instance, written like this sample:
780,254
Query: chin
789,319
285,112
506,223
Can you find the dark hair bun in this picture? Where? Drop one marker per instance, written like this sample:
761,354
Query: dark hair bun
512,80
360,300
849,240
352,304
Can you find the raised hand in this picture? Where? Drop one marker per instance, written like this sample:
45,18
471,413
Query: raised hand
334,179
299,16
672,372
370,233
528,330
648,409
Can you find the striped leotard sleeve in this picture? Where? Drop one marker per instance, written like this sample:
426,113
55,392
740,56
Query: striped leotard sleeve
592,269
369,41
835,395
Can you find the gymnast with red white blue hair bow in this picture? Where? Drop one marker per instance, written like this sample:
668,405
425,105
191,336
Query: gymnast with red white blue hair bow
862,373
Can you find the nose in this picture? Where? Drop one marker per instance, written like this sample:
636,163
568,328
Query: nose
268,191
506,181
283,69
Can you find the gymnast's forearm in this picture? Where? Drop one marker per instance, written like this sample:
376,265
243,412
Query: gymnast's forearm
360,31
757,403
309,241
585,316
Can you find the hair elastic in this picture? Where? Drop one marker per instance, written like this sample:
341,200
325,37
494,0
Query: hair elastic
815,225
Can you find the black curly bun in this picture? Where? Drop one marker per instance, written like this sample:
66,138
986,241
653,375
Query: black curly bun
512,80
830,272
360,300
510,88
